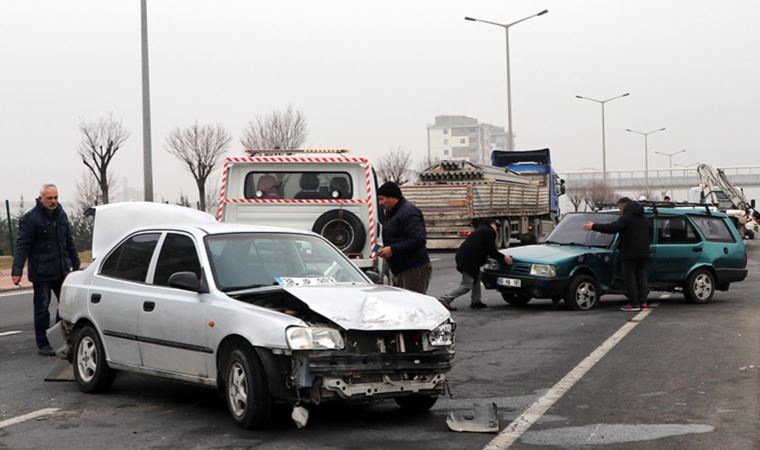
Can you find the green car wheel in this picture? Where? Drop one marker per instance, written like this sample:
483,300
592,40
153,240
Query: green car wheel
582,294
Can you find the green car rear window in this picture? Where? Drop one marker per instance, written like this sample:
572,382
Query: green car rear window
714,229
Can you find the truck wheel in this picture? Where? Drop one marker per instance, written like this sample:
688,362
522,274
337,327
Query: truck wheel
506,233
515,299
582,294
343,229
700,286
499,239
538,229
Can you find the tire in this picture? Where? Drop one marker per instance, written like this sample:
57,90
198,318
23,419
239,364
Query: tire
582,294
700,286
246,391
506,233
538,230
343,229
416,403
91,370
515,299
499,240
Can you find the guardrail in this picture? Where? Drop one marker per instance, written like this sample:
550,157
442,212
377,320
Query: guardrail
745,176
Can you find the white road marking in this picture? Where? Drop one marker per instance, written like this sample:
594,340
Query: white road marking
25,417
9,333
520,425
435,259
663,296
12,293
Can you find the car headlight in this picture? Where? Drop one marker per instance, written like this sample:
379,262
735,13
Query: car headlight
314,338
442,335
543,270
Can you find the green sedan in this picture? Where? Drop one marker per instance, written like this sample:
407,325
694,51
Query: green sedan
693,250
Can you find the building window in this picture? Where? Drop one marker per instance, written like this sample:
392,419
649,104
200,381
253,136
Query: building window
445,142
461,140
445,131
445,152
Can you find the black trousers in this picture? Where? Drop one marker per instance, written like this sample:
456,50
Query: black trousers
42,290
635,276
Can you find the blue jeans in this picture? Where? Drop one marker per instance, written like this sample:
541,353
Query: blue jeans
42,291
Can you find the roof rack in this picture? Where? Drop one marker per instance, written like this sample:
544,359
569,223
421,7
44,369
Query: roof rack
660,204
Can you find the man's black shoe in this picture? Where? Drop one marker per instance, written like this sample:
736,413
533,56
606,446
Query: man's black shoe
448,306
478,305
46,351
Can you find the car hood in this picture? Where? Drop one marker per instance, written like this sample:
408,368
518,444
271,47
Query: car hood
550,253
372,307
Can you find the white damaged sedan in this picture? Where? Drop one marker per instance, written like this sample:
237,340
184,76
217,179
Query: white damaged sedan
262,314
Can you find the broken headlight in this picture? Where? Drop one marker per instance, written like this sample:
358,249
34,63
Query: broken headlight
442,335
314,338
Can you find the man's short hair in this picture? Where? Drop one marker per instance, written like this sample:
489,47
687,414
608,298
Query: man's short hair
47,186
623,201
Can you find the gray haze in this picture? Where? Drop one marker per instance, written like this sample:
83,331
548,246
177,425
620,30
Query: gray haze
371,75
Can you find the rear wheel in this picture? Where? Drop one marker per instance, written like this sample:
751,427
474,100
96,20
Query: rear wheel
515,299
91,370
416,403
247,393
506,233
700,286
343,228
582,294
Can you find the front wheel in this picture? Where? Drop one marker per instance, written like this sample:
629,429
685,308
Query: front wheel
247,393
91,370
582,294
416,403
515,299
700,286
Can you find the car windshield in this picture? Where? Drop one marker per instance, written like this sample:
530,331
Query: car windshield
250,260
569,231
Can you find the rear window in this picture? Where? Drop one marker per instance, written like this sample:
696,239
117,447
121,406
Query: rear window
714,229
298,185
676,230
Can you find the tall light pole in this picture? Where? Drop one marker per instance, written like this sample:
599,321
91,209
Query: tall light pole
604,139
670,162
147,152
510,134
646,152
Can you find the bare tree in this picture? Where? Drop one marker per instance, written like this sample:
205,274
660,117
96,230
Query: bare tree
576,198
599,193
396,166
286,130
98,145
212,194
199,147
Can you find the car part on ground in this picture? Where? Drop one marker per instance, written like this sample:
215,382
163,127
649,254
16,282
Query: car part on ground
482,418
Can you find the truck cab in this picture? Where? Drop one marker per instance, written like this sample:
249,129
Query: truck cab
325,191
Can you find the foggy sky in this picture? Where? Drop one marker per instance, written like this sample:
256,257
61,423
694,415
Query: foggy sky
371,75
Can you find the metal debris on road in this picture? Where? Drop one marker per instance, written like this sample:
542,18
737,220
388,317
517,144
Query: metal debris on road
482,418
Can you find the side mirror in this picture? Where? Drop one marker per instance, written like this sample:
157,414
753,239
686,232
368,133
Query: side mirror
374,276
752,203
562,188
185,280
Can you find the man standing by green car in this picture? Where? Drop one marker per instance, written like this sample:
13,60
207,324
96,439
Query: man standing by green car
635,236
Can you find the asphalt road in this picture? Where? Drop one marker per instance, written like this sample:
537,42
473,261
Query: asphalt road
687,376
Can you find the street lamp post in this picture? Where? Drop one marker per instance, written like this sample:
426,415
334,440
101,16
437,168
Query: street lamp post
670,162
604,139
646,152
510,134
147,150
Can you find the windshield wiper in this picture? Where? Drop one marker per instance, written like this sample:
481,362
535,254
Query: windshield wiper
242,289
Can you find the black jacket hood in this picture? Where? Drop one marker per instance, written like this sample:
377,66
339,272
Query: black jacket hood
633,209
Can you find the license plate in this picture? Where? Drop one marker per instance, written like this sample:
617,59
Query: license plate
509,282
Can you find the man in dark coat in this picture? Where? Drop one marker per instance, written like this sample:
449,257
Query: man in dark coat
404,240
471,255
44,238
635,236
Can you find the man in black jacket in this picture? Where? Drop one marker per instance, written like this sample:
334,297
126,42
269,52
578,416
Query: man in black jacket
44,237
471,255
635,236
404,237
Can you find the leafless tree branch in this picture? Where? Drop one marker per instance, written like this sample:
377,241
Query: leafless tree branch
199,147
286,130
98,145
396,166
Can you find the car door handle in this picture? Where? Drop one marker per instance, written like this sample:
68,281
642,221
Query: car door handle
697,249
95,298
148,306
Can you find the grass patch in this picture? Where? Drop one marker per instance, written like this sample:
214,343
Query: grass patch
7,261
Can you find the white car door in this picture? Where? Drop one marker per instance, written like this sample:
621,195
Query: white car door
172,323
115,296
